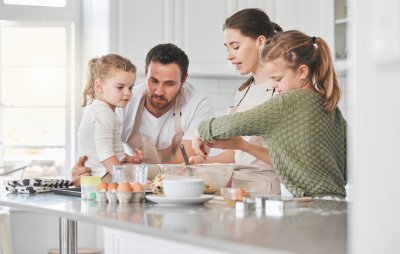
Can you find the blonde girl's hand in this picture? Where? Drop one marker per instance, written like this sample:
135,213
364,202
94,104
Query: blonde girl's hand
139,155
198,146
137,158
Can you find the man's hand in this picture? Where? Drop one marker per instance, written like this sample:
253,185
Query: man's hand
80,170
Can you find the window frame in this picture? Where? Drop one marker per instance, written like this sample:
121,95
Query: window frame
69,18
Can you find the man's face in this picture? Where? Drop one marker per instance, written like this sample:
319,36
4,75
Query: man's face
163,85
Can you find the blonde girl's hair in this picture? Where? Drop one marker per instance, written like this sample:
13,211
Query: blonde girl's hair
100,68
297,49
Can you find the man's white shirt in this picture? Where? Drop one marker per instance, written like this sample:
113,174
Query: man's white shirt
195,108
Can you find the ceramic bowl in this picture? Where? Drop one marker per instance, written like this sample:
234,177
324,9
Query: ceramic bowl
216,176
183,187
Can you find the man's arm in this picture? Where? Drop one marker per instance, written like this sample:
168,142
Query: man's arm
79,170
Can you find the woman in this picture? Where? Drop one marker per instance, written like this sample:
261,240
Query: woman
303,127
245,34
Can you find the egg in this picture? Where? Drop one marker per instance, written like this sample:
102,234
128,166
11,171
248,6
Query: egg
112,187
136,186
124,187
102,186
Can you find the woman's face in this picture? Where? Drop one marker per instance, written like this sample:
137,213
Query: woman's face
243,52
284,78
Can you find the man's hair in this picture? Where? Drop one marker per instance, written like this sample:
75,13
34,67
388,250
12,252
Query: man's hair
168,53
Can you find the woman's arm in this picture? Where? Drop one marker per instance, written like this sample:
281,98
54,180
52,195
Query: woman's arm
227,156
260,152
238,143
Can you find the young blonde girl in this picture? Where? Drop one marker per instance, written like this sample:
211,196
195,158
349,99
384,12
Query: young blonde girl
110,80
302,126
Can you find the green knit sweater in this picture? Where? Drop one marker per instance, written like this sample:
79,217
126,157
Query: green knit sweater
307,144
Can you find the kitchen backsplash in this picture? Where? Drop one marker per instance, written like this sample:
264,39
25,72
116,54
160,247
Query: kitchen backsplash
222,91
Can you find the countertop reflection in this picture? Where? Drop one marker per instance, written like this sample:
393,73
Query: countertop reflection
318,226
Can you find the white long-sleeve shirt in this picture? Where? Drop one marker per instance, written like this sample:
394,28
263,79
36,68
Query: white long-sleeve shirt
99,136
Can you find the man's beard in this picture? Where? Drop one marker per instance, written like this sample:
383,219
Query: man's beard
165,103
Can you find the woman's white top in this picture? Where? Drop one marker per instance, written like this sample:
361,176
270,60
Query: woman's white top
99,136
255,96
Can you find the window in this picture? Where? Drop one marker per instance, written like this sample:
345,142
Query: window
52,3
36,88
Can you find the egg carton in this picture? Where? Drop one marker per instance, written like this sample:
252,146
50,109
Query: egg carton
121,197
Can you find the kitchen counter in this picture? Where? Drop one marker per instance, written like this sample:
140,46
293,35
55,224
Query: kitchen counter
318,226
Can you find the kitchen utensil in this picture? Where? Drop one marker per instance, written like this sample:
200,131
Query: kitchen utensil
186,159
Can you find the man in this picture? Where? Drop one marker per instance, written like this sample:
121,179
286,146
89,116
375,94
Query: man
163,113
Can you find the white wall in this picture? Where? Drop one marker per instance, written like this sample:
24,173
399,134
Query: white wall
374,139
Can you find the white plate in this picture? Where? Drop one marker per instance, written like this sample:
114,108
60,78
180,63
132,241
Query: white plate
180,200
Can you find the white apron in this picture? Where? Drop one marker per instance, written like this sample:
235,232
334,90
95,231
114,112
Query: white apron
264,179
151,154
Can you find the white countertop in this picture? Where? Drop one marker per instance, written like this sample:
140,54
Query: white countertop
317,227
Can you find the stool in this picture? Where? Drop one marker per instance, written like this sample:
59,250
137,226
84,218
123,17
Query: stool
80,251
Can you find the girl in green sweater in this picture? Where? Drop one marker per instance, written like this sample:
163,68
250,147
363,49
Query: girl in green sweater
303,127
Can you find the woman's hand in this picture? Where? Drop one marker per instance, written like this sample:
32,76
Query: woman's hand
80,170
235,143
196,160
198,146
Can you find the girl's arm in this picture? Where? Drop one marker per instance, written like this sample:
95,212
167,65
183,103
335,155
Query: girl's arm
254,122
110,162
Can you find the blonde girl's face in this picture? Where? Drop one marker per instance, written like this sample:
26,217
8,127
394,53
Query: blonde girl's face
284,78
242,51
116,90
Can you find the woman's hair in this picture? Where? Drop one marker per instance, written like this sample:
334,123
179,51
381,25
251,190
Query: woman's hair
100,68
297,49
252,23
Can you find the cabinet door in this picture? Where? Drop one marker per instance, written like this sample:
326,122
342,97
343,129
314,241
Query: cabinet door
199,32
140,26
313,17
268,6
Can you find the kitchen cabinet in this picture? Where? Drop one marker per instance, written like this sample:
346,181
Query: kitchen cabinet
313,17
196,27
